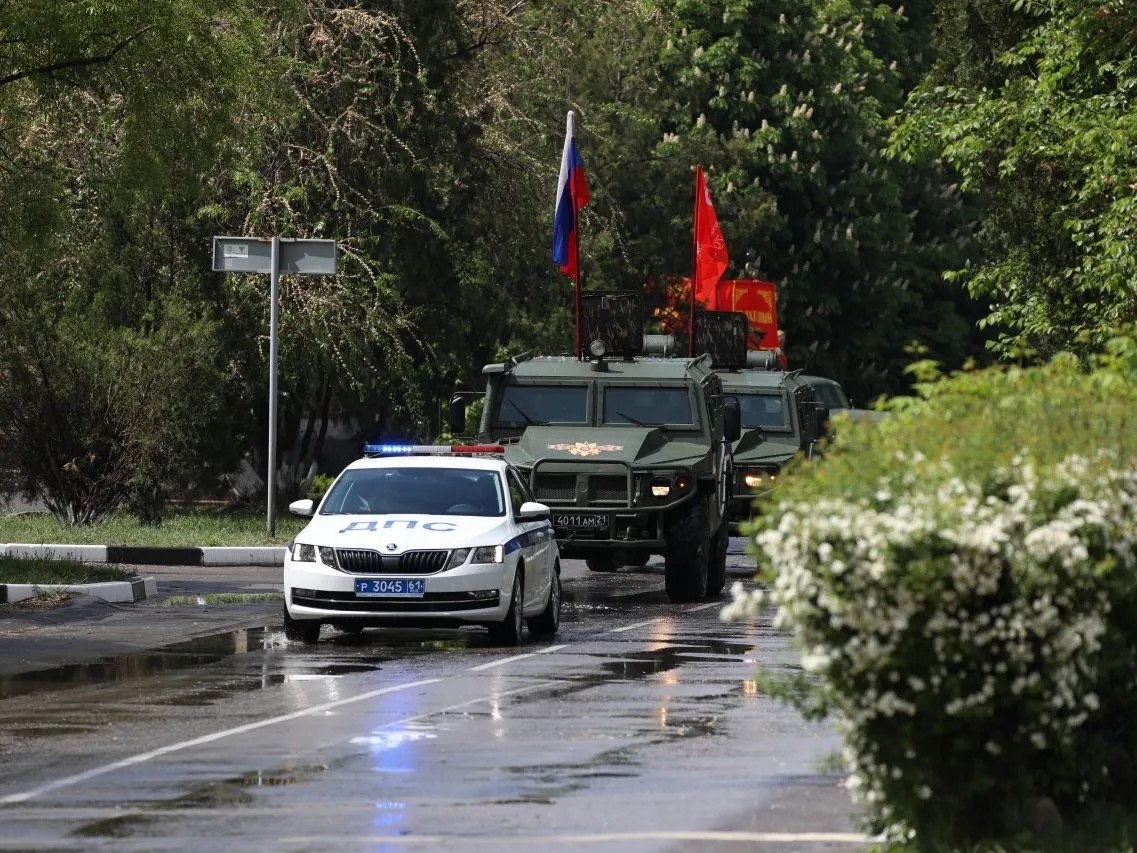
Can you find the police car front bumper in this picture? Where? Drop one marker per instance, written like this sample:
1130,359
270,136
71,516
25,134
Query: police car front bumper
476,593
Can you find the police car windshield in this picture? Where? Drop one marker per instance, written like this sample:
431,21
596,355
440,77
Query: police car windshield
765,411
522,405
416,491
647,406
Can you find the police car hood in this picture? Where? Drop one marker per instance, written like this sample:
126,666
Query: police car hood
405,532
638,446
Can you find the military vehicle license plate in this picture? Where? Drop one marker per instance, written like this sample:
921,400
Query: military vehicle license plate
581,520
395,587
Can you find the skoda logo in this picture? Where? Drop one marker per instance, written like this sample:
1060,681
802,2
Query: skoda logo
391,546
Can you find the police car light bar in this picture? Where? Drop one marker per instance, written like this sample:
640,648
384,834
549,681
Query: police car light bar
428,449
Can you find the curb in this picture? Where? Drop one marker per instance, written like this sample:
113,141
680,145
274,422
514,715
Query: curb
116,591
142,555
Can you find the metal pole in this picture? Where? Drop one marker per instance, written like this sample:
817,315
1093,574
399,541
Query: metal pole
273,334
694,266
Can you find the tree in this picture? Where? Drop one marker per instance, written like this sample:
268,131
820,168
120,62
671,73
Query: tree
1033,106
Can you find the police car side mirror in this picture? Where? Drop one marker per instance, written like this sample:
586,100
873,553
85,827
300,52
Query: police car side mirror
304,507
533,511
731,419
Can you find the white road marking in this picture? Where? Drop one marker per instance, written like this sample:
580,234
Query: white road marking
504,661
594,838
68,781
704,607
629,627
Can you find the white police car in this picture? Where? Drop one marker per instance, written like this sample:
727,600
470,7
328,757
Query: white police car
424,537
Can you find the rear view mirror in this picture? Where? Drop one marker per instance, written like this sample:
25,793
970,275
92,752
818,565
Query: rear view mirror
731,419
303,507
533,511
457,415
821,420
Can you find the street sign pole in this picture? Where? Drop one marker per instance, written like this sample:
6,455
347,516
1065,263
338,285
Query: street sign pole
273,337
274,256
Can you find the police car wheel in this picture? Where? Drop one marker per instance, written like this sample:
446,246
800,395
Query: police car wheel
549,621
306,631
507,632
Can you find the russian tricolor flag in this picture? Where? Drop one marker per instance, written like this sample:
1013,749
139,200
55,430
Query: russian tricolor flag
572,195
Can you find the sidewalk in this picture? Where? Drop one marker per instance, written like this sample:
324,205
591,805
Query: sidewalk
87,630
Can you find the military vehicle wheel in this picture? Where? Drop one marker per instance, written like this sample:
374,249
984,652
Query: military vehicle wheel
716,576
305,631
507,632
688,556
605,562
637,559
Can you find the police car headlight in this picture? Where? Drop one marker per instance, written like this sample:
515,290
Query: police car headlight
327,556
303,553
457,557
488,554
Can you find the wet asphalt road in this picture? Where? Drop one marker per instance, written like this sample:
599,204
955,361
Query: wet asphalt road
638,728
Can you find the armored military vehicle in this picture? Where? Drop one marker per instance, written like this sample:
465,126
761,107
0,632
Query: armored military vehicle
782,414
629,446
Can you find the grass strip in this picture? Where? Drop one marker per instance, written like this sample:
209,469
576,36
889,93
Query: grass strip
214,598
183,528
57,572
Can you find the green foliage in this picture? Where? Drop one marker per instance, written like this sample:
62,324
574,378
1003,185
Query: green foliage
1033,106
57,572
961,578
320,485
180,528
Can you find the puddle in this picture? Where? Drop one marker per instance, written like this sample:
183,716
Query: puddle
197,652
225,793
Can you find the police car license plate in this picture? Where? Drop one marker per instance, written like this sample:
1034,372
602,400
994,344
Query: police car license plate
394,587
580,520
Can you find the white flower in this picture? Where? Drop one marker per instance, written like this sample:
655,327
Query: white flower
924,792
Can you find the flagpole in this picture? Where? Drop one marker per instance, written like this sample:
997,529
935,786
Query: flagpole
575,248
694,265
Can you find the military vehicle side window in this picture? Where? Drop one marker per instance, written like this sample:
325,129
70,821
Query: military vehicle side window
647,406
767,411
832,396
522,405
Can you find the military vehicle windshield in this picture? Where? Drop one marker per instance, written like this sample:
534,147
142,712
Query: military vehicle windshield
522,405
648,406
765,411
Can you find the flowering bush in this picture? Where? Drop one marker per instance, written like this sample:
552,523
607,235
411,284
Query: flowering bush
967,611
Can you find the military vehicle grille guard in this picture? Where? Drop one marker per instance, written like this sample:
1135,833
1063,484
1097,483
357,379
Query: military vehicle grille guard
561,460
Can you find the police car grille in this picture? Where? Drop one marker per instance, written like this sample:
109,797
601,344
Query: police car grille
423,562
608,488
556,487
360,562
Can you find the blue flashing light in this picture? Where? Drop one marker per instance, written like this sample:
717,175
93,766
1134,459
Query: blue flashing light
388,449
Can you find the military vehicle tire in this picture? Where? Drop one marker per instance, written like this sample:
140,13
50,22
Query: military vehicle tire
716,575
688,557
306,631
637,559
507,632
603,562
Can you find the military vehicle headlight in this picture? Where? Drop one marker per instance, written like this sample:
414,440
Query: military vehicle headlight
682,482
303,553
598,348
660,487
754,479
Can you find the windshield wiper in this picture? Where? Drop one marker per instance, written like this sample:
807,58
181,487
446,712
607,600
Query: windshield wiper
523,414
640,423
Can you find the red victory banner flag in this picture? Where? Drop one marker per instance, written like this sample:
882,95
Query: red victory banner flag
711,258
758,300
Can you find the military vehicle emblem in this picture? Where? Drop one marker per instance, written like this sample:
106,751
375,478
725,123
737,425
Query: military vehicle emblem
587,448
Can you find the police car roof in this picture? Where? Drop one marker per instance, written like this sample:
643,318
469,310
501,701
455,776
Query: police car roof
476,462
